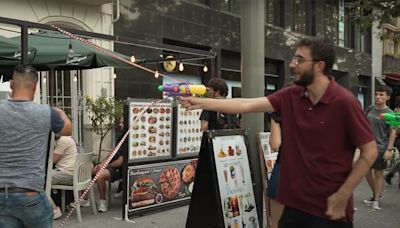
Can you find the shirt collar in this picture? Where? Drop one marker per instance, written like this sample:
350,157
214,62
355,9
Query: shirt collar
327,96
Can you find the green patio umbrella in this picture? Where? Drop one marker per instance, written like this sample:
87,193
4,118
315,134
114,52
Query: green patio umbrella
62,52
11,50
53,50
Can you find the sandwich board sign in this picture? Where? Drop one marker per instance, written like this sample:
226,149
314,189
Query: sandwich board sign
223,194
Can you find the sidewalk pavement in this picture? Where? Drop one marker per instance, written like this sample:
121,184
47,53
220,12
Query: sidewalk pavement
364,217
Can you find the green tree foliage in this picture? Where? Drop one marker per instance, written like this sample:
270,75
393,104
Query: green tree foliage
365,12
104,114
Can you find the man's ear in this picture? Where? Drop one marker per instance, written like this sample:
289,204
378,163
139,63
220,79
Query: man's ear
11,84
321,66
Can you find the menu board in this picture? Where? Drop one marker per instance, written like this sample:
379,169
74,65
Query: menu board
151,136
269,156
159,184
188,131
235,182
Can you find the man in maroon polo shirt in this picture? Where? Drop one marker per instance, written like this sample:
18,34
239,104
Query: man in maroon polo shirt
322,124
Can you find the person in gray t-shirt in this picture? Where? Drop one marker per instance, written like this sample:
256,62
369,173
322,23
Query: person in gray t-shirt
384,136
24,130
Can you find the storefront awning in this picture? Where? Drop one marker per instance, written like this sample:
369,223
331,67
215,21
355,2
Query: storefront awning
393,76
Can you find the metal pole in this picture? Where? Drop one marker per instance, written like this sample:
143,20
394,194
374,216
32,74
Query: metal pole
24,44
51,79
252,29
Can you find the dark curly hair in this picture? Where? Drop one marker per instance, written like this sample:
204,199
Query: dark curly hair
219,84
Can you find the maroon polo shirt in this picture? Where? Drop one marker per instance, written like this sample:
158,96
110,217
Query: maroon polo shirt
318,145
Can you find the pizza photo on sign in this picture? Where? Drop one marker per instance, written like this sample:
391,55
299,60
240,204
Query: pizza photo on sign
143,192
188,174
170,182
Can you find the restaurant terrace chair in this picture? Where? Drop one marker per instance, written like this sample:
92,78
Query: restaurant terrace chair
82,178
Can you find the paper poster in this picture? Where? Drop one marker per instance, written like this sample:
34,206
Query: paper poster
269,156
235,182
188,131
161,183
151,136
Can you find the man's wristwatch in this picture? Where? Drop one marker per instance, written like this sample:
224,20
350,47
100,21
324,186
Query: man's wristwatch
391,149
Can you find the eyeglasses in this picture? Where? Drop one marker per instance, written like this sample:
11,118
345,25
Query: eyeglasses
299,60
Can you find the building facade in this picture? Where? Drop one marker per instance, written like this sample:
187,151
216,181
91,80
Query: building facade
211,26
215,26
391,58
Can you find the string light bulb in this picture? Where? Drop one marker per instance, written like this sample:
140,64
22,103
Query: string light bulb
75,78
114,76
156,74
181,67
44,79
205,68
71,52
133,59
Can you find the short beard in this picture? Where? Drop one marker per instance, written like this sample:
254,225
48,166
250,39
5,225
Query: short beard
305,79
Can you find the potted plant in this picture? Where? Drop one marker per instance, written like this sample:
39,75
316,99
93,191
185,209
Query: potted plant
104,114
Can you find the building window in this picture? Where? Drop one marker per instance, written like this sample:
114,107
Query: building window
355,37
64,90
389,50
274,11
231,6
299,16
331,18
311,10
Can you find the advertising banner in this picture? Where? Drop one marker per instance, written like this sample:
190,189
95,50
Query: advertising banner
235,182
159,184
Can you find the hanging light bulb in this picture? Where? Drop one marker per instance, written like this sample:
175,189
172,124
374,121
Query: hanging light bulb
156,74
133,59
114,76
205,68
44,79
181,67
75,78
71,52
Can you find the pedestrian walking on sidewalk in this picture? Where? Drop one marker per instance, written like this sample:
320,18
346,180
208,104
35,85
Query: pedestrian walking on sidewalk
384,136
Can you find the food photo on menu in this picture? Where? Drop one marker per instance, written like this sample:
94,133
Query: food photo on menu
160,184
238,211
229,151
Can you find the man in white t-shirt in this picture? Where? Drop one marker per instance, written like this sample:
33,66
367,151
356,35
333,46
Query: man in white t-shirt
64,157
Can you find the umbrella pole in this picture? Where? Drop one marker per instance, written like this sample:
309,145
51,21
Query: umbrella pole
24,44
51,86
